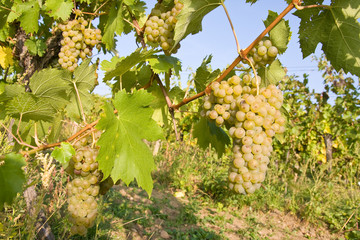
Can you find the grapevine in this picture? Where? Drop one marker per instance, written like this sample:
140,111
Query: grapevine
48,79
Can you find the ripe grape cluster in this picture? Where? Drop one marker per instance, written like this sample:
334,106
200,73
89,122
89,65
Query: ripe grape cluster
159,29
252,116
78,42
84,188
263,53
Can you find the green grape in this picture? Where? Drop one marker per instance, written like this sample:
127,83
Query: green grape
272,51
239,133
262,50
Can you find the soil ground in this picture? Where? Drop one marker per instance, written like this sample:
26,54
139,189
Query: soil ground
134,216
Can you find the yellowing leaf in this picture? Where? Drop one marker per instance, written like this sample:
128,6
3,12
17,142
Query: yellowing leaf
6,57
327,129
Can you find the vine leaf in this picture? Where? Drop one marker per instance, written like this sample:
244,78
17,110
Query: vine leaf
208,133
30,107
6,57
251,1
338,30
114,23
272,74
36,46
51,85
63,154
124,65
162,63
12,177
11,91
190,18
27,13
84,82
123,153
59,9
280,34
204,75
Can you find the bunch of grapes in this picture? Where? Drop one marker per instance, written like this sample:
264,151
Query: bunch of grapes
159,29
253,117
84,188
263,53
78,42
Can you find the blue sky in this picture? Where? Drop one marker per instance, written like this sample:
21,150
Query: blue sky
217,39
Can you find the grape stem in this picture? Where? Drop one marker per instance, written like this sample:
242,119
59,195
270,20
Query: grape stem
256,77
80,103
146,86
169,103
232,27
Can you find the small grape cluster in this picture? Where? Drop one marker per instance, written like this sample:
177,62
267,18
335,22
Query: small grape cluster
252,116
159,28
84,188
263,53
78,42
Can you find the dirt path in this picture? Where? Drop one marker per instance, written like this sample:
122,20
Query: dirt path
164,216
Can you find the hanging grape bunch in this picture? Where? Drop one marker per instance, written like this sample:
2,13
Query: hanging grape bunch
253,117
159,29
78,42
263,53
84,188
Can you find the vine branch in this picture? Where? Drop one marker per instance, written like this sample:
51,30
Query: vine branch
16,139
46,146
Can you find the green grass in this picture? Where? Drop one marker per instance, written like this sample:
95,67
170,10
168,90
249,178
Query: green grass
209,209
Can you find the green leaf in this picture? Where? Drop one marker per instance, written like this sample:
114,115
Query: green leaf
11,91
110,65
204,75
190,18
114,24
123,154
280,34
83,82
59,9
63,154
51,85
338,30
56,128
208,133
36,46
29,107
12,177
30,13
127,63
272,74
162,64
251,1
